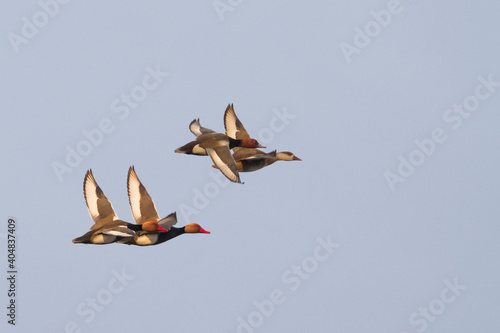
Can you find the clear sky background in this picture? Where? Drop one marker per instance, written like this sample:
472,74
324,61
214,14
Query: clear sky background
412,250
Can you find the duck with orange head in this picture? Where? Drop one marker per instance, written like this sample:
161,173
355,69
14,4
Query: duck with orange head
107,228
144,211
218,146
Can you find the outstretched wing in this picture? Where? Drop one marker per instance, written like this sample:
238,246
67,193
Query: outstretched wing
221,156
234,127
169,221
100,208
143,207
197,129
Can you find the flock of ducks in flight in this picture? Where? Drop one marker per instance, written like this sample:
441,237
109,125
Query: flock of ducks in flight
149,228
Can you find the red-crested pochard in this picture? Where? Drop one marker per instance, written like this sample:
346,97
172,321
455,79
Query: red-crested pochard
107,228
248,160
218,145
144,211
252,159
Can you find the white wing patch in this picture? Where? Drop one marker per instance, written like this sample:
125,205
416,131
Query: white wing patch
195,127
223,167
89,191
230,123
120,232
234,127
134,194
98,205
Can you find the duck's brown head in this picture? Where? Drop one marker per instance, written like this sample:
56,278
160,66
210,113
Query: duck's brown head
152,226
250,143
287,156
195,228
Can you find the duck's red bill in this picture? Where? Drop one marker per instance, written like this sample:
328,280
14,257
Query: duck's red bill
203,231
162,229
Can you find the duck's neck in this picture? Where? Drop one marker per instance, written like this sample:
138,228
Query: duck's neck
135,227
172,233
234,143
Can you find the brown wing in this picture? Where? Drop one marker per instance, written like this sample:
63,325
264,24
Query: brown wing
221,156
99,207
197,129
143,207
234,127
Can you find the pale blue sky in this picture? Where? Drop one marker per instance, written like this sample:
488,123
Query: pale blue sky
395,250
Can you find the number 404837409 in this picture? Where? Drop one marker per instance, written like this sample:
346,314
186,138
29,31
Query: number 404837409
11,243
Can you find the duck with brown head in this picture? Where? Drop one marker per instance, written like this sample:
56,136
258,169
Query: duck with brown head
107,228
154,238
248,160
144,211
218,145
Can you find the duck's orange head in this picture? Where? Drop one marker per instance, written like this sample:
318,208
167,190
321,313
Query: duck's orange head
195,228
251,143
152,226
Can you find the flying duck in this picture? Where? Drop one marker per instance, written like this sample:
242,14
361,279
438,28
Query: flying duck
218,145
107,228
248,160
144,211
